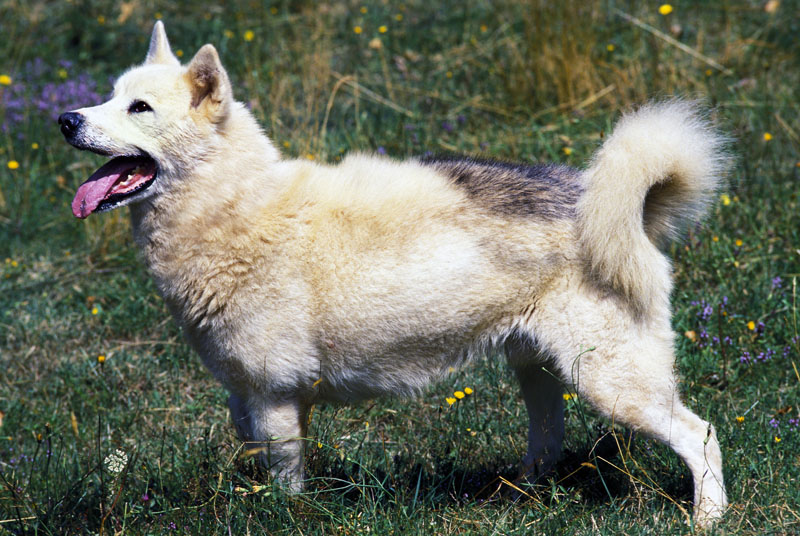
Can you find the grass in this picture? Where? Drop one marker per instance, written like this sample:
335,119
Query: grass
539,81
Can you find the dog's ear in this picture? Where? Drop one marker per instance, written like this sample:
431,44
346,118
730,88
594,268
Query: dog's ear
159,51
211,89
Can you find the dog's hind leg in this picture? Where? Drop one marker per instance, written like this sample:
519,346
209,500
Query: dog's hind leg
275,431
623,366
544,401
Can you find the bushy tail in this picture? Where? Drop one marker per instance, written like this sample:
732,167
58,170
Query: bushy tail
659,168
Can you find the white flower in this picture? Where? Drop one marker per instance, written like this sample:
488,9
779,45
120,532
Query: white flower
116,461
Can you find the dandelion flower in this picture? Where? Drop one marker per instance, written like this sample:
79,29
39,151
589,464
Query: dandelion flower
567,151
382,29
610,47
715,238
726,199
62,73
398,17
740,419
567,396
101,359
13,164
738,242
449,74
751,325
95,310
459,394
484,28
468,390
665,9
179,53
249,35
14,264
363,9
34,146
358,29
767,136
5,80
709,72
101,19
450,400
777,439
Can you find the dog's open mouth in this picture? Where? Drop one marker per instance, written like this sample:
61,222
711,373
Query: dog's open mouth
116,181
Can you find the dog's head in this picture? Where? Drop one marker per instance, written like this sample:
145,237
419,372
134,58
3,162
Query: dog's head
161,120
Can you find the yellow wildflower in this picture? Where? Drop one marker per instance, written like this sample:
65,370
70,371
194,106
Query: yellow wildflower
179,53
13,164
398,17
382,29
777,439
62,73
567,151
767,136
691,335
449,74
715,238
726,199
101,19
34,145
286,144
450,400
363,9
459,394
14,264
751,326
740,418
158,15
484,28
357,29
273,10
101,359
665,9
610,47
567,396
738,242
95,310
709,72
5,80
228,34
249,35
468,390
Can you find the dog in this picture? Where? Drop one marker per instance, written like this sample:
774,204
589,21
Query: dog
299,282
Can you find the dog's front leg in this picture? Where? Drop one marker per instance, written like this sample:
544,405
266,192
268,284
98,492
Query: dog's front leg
275,430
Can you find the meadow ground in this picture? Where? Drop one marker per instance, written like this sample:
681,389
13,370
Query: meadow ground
109,423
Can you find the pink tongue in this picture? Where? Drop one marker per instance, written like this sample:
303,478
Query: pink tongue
92,192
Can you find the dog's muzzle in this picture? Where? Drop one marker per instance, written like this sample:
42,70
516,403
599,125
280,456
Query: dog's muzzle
70,123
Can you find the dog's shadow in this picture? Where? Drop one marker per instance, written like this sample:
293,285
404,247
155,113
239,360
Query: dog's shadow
593,473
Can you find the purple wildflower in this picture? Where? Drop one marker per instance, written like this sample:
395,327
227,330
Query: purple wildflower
777,282
381,150
447,126
774,422
745,357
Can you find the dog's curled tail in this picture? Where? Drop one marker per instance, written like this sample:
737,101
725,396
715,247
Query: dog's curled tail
660,167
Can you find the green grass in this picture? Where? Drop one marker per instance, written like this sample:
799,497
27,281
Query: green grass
502,79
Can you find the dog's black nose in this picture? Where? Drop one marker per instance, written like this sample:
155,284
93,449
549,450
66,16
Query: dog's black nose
70,123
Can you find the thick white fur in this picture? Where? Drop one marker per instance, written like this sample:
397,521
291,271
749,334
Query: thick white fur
668,156
299,283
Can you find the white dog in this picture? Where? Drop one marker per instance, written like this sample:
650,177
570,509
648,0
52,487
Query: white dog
299,282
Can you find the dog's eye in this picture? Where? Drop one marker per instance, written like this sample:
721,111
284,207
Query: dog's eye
138,107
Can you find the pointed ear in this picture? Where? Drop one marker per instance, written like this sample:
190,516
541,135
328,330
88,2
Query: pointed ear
159,51
211,89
